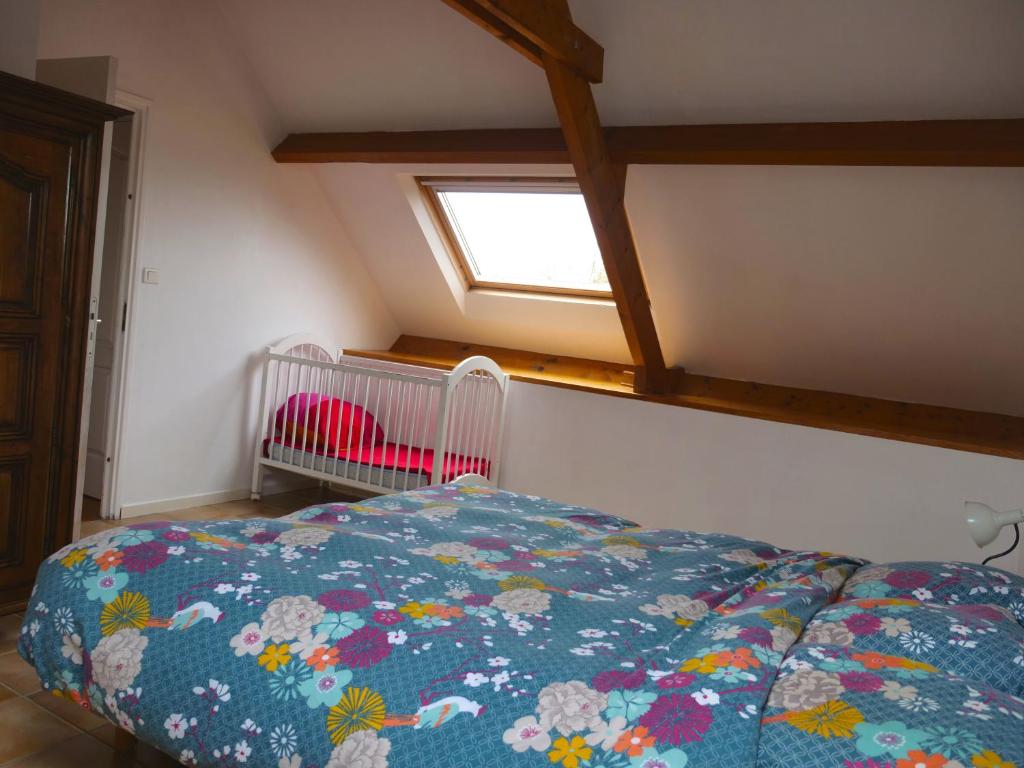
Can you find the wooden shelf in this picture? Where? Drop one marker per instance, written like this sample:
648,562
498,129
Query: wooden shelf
975,431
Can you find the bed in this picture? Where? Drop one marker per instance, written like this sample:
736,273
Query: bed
460,625
373,425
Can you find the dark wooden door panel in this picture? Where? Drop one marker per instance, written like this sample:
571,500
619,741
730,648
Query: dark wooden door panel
22,197
49,172
13,517
17,386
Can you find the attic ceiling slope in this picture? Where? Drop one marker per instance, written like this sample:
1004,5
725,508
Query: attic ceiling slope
360,65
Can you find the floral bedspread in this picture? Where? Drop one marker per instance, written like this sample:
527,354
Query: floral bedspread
462,626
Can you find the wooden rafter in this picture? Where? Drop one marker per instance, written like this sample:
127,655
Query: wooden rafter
535,28
910,143
601,181
603,185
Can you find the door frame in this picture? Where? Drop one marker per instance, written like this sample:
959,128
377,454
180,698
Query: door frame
110,502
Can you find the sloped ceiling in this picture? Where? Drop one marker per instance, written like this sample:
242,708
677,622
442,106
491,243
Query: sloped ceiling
904,283
335,65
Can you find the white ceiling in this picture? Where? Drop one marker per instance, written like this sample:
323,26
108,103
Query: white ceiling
333,65
903,283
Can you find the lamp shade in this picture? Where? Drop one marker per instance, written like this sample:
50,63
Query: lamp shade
984,523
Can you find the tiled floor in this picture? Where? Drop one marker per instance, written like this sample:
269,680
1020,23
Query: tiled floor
40,730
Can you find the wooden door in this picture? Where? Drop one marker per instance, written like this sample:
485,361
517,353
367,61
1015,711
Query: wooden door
49,172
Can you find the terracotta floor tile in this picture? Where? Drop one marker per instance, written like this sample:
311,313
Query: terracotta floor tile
18,674
89,527
209,512
271,506
229,509
10,628
104,733
29,728
292,501
6,693
142,755
82,751
68,711
150,757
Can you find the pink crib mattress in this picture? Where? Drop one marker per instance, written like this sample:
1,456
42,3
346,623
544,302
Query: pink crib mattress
390,456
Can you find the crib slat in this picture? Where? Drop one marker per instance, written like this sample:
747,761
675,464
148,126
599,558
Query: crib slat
455,434
410,426
290,438
305,413
352,426
316,418
427,410
325,451
373,435
384,447
415,409
479,456
273,409
485,459
478,442
337,439
469,457
397,437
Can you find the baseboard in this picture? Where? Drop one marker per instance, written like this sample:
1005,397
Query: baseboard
271,485
160,506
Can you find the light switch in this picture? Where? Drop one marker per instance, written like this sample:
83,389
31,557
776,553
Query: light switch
150,275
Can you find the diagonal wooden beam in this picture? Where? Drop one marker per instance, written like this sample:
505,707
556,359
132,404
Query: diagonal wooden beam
906,143
536,27
603,185
478,13
601,182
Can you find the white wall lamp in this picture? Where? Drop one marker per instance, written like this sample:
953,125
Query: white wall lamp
984,523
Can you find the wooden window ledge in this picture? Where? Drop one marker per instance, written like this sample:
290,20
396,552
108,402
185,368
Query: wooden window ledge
975,431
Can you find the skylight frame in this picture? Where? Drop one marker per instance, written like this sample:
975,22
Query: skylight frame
431,185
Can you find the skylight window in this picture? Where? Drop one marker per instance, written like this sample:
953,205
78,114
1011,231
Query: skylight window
520,234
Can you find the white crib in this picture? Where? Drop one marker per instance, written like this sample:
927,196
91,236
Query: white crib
377,426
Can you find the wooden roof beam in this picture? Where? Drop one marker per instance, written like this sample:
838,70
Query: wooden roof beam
603,185
548,25
536,28
906,143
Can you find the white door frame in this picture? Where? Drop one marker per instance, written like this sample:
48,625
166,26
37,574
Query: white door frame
110,503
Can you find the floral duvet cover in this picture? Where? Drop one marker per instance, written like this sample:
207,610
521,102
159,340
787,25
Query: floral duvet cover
463,626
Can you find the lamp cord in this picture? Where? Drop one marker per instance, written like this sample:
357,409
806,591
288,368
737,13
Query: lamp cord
1016,541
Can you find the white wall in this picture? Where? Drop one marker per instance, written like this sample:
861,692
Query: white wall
19,31
248,251
793,486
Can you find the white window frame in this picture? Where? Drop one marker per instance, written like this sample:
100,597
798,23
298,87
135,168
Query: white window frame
430,186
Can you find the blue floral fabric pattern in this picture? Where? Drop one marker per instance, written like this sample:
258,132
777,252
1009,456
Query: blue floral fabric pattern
463,626
954,584
973,641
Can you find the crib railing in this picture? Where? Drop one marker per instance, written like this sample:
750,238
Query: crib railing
377,426
471,416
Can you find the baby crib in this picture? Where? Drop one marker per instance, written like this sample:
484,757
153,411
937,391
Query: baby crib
377,426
